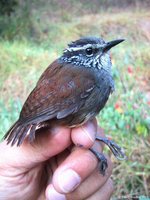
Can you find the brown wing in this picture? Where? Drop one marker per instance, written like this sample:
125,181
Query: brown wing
60,91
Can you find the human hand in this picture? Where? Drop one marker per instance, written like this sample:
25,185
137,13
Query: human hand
48,169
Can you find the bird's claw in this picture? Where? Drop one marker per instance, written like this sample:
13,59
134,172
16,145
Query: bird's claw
116,150
102,161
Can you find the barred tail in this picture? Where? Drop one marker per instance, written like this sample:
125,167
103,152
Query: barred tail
18,132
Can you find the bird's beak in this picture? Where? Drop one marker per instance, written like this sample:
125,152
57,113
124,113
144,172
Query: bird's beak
111,44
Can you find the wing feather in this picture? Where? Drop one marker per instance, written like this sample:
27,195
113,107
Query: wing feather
60,92
61,96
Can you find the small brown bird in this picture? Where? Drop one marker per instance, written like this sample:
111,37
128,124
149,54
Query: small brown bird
72,90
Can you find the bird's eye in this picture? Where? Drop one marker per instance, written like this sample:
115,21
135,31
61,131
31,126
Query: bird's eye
89,51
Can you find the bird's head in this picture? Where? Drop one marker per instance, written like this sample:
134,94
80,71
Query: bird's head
89,52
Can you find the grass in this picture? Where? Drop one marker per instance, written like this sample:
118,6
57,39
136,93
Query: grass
126,116
132,176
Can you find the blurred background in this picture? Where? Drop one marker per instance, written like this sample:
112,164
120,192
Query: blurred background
34,33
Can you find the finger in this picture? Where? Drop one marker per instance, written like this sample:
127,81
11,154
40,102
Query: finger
85,135
46,145
77,166
94,182
62,156
103,193
52,194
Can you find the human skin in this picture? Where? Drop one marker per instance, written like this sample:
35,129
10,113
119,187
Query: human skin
52,167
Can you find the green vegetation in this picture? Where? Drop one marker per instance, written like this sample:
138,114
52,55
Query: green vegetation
36,33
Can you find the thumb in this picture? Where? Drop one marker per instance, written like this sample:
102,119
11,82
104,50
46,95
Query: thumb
47,144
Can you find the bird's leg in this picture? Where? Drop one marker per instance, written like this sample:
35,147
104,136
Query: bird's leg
116,150
103,161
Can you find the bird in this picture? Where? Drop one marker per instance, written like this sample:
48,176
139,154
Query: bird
72,90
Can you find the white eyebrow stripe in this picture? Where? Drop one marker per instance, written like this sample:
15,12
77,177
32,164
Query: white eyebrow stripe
95,46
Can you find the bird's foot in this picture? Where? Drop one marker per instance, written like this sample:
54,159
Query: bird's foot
116,150
103,161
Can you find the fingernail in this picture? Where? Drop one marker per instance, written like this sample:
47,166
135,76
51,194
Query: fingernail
89,130
68,180
52,194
